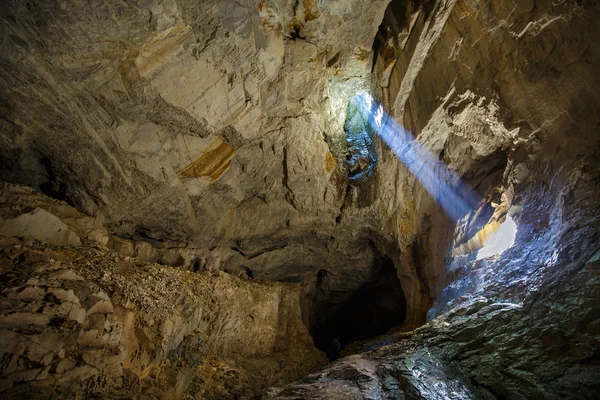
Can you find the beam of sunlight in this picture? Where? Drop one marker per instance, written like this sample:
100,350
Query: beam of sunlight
450,192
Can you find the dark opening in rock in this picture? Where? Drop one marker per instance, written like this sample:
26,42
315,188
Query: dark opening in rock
370,311
54,186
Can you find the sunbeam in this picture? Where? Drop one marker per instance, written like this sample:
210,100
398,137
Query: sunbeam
450,192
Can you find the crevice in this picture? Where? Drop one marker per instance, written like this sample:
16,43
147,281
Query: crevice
289,196
250,256
54,186
249,273
333,60
344,205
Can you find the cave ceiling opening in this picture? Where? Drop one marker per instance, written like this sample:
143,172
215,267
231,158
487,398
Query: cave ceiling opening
361,152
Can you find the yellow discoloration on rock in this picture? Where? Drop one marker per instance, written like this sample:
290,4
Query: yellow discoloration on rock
478,241
211,163
310,10
152,55
362,54
129,73
329,163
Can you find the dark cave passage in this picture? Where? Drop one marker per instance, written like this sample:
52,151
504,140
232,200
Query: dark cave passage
370,311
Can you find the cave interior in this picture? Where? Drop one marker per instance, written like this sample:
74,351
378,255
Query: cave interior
266,199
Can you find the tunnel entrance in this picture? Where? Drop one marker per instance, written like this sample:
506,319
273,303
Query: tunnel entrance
370,311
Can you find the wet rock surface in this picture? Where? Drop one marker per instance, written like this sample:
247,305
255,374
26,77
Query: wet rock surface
519,325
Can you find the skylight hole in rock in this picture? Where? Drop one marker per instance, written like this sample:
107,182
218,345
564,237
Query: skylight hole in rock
361,151
500,240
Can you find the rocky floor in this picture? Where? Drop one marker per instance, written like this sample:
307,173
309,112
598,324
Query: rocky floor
83,321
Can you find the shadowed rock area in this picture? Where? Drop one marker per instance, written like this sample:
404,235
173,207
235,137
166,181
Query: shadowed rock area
192,205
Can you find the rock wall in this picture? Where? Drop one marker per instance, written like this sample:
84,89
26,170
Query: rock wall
211,136
83,321
522,324
208,136
506,94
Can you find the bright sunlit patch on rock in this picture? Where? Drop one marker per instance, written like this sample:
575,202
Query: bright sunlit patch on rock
499,241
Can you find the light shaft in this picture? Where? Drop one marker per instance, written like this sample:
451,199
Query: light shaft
450,192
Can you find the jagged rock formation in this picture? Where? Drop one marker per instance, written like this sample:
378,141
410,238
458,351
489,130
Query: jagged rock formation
198,132
522,324
84,321
214,136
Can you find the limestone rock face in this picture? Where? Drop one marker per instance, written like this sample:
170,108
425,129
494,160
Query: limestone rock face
507,95
492,90
214,126
40,225
46,218
86,322
520,324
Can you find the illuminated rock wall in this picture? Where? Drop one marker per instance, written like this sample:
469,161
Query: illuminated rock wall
507,95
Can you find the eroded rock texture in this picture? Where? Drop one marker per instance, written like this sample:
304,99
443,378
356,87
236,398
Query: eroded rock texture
217,136
207,135
83,322
80,320
522,325
506,93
